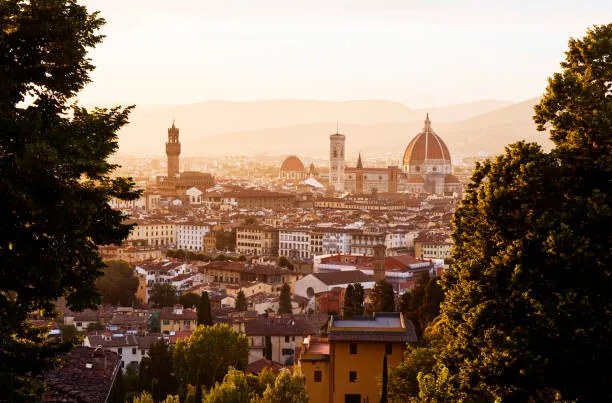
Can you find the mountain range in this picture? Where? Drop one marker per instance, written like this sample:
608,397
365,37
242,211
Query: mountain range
302,127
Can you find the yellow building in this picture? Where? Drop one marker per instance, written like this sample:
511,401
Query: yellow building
347,367
177,319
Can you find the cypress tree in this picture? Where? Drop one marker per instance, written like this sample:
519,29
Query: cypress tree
204,312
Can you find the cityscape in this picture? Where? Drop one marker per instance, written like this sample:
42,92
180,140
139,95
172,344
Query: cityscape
315,241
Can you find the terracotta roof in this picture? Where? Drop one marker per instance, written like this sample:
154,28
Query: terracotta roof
343,277
169,313
280,327
292,164
257,366
450,178
426,145
103,340
412,178
72,380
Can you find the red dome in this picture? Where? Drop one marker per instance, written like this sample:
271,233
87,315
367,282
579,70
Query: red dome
292,164
426,145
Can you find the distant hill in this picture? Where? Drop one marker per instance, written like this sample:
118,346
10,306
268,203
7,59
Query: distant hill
486,133
226,121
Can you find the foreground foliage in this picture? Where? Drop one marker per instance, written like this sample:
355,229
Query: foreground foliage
55,179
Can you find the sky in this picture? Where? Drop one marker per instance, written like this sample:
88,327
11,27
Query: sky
420,53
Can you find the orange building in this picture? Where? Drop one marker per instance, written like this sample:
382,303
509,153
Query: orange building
347,367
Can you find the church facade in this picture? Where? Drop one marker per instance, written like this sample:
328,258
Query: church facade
426,168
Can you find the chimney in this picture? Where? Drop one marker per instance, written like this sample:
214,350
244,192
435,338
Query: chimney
379,262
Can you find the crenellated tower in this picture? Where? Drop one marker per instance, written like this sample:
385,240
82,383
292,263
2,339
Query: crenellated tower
173,151
336,161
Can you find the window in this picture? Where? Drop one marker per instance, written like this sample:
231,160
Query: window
317,376
287,351
166,322
286,339
79,324
134,350
352,376
119,351
353,348
388,348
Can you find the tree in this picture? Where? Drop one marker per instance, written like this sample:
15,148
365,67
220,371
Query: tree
70,334
118,284
382,297
284,262
347,312
154,322
527,297
284,301
204,312
163,295
93,326
189,300
225,240
237,387
421,305
289,387
241,303
53,221
206,356
156,371
357,299
383,393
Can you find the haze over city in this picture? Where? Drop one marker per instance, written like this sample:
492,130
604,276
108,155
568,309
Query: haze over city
418,54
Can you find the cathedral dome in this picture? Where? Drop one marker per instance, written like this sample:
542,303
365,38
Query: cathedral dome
292,164
427,153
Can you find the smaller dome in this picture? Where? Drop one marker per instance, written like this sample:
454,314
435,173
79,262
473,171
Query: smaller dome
292,164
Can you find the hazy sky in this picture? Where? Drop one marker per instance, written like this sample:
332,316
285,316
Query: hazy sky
422,53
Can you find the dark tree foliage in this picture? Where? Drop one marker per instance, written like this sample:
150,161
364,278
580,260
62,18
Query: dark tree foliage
204,312
156,373
421,305
55,179
528,314
347,311
382,297
284,262
384,380
284,301
189,300
154,322
241,303
357,299
225,240
118,284
163,295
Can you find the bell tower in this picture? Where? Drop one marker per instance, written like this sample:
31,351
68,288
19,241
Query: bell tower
336,161
379,262
173,150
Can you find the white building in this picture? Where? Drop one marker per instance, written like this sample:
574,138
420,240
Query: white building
154,233
294,243
190,236
125,345
194,196
315,283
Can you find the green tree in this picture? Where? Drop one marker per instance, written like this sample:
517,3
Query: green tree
55,179
189,300
163,295
284,262
527,297
154,323
206,356
289,387
118,284
284,302
383,393
225,240
93,326
347,311
382,297
144,397
70,334
357,299
237,387
204,312
241,303
156,374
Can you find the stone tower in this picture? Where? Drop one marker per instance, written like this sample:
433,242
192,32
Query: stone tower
379,262
173,150
336,161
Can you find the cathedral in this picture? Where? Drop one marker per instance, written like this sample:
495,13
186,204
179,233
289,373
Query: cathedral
426,168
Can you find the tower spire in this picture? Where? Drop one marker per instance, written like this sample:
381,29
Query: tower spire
359,163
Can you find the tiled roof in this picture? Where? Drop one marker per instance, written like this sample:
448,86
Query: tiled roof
73,381
257,366
109,340
343,277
